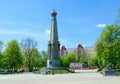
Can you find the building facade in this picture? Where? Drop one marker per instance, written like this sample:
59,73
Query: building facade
89,51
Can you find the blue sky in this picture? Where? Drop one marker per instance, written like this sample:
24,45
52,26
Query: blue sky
79,21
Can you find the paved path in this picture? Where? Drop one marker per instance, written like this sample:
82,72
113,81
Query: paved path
81,77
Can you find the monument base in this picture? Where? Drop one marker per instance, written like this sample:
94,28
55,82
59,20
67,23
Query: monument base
109,73
46,70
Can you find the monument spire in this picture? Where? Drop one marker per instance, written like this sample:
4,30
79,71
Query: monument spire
54,31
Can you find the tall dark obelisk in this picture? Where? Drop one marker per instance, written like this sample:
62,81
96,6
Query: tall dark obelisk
54,44
53,62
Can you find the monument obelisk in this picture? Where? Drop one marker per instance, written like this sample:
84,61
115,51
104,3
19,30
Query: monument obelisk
53,62
54,44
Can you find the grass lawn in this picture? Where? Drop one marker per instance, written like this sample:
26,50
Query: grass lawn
59,72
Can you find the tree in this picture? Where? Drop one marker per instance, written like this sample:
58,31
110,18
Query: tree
84,57
116,52
43,62
28,47
107,46
12,57
36,59
66,60
94,61
43,56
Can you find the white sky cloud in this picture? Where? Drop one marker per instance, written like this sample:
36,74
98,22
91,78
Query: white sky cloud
47,31
25,33
101,25
2,31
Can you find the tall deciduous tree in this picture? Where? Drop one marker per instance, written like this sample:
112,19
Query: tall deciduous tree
107,46
13,59
28,47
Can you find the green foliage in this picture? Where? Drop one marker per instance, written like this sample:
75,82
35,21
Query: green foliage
59,72
108,46
3,73
117,72
43,62
36,59
93,61
12,58
84,57
66,60
102,71
1,61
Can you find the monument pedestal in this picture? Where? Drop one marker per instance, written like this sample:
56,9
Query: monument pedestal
109,73
109,70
